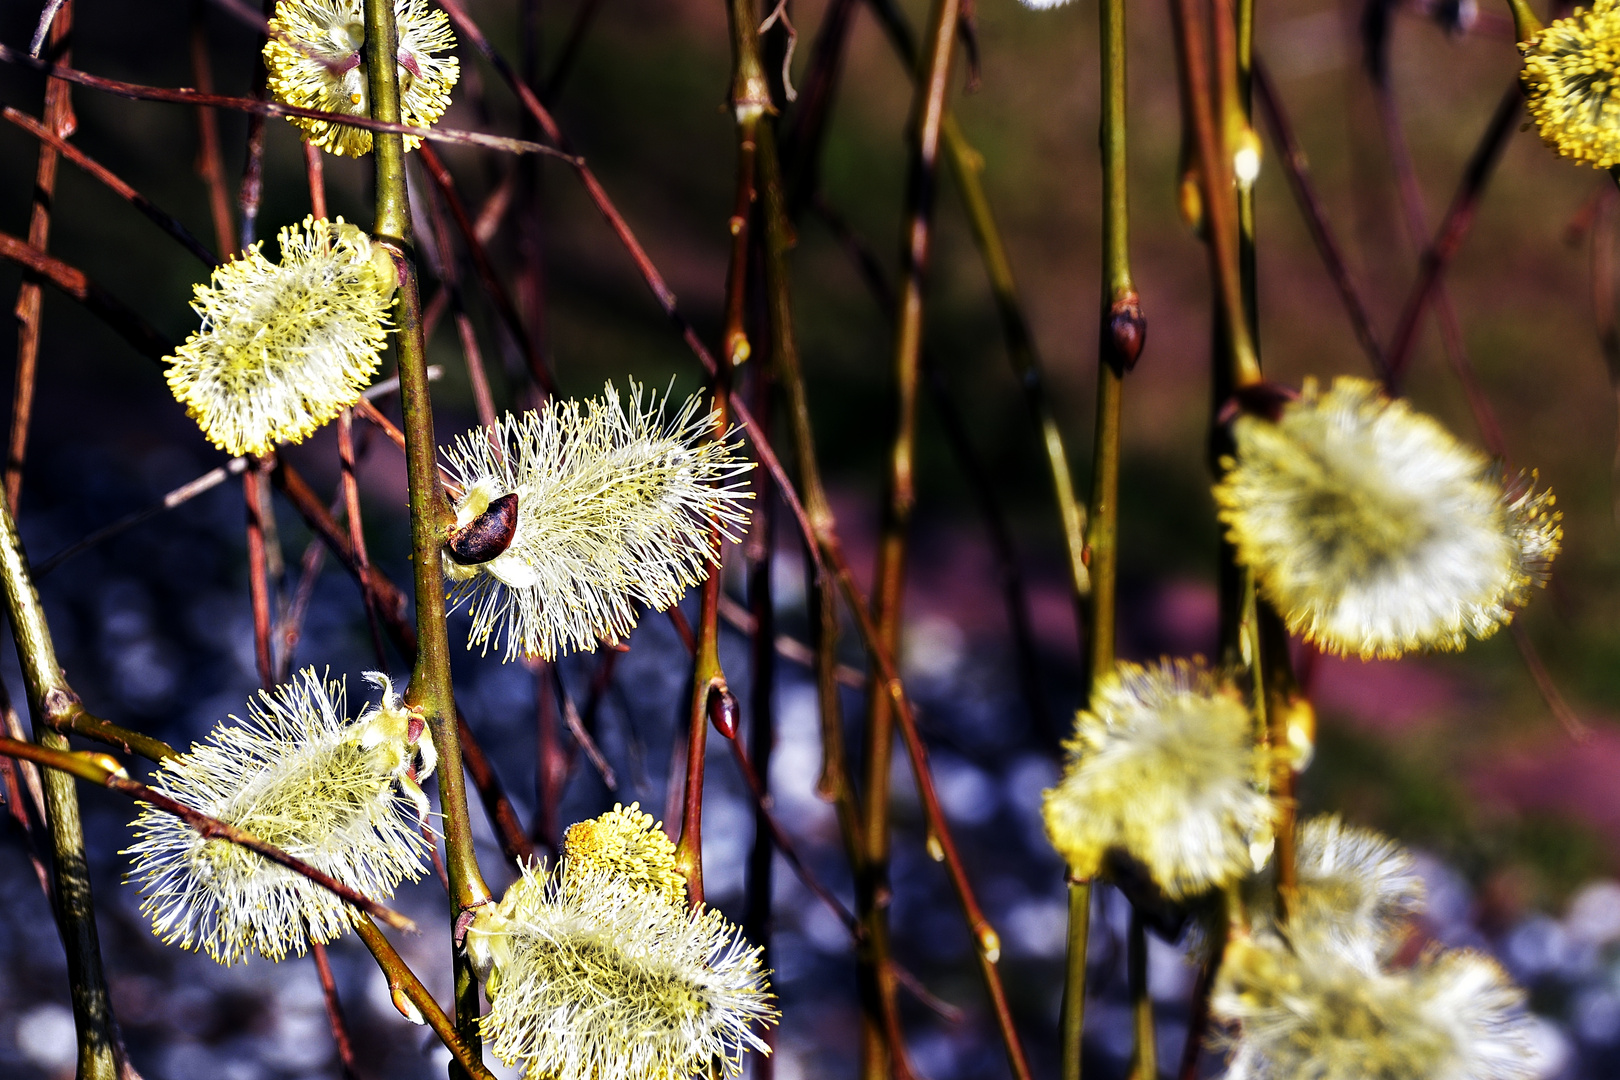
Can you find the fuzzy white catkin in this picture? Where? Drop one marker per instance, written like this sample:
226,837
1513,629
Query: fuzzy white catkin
617,502
1163,767
590,976
1373,531
342,796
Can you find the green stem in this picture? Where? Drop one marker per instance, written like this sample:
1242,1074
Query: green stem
1525,23
888,587
1144,1051
1121,336
967,166
101,1051
1072,1022
430,686
403,983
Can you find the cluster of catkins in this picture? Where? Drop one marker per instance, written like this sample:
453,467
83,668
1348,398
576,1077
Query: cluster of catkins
569,520
1371,532
1367,527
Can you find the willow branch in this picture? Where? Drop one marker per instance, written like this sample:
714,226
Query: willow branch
101,1055
832,571
1216,186
967,167
72,281
487,278
104,176
430,686
1297,169
873,891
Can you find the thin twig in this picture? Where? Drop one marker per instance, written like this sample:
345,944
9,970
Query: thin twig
254,492
404,985
1417,227
161,218
1297,168
833,571
445,184
1453,228
206,482
873,889
188,96
334,1010
60,122
450,278
210,161
114,312
576,727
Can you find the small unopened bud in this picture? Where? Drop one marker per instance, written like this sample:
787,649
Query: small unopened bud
990,944
722,709
407,1008
487,535
1127,332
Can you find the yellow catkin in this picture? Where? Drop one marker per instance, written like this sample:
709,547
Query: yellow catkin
1570,74
629,844
315,59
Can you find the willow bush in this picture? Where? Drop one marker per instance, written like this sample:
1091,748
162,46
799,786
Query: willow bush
1350,522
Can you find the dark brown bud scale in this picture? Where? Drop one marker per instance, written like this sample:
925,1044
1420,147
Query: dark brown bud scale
1262,399
488,535
722,708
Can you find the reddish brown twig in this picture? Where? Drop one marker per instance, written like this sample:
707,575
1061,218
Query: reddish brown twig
1417,226
1449,237
357,532
1297,169
253,494
210,161
450,277
59,120
159,217
334,1010
445,184
121,318
188,96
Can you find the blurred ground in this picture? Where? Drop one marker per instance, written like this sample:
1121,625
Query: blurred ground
1456,755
